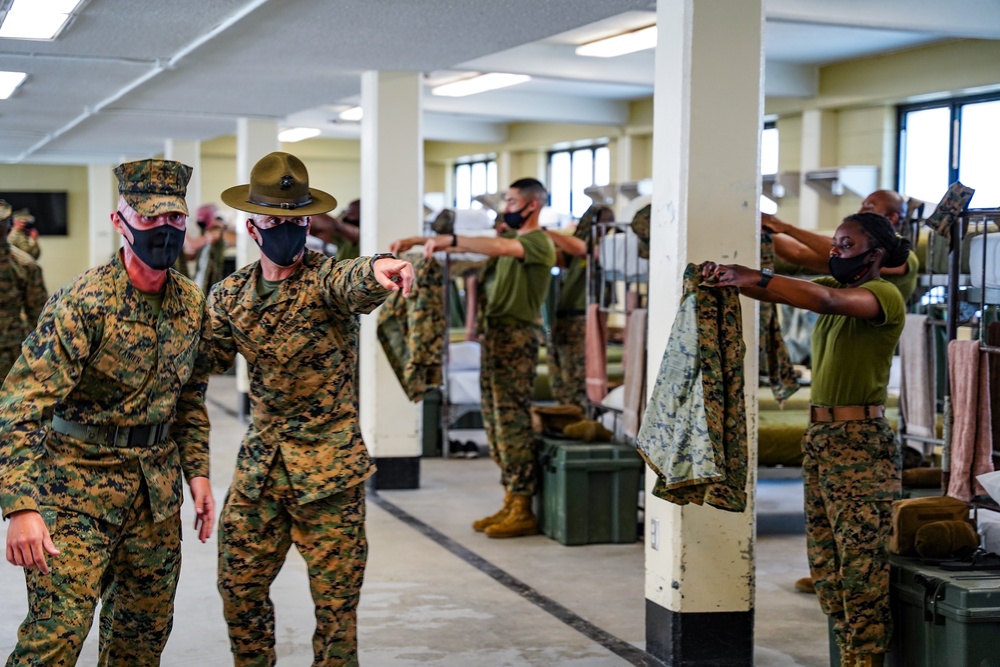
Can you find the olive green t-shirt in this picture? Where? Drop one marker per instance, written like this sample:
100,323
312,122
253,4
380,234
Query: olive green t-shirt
154,299
347,249
516,287
908,282
851,356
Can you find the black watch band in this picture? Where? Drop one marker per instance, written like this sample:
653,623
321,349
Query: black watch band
454,240
381,255
765,277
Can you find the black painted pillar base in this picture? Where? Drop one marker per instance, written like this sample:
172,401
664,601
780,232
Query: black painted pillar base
708,639
396,472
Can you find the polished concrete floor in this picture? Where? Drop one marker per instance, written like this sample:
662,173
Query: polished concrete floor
438,594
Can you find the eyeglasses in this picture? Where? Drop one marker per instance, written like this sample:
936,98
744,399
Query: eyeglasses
272,222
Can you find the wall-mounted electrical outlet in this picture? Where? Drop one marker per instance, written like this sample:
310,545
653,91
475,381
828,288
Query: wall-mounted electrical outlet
654,533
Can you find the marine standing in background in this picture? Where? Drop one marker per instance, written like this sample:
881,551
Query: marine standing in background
514,284
301,468
94,498
24,235
567,345
22,295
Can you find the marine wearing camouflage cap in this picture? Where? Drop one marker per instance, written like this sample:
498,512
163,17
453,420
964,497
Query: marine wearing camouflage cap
5,209
154,187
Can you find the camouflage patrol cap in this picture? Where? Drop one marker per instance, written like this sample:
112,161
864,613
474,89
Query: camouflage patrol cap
444,223
23,214
4,211
154,187
640,225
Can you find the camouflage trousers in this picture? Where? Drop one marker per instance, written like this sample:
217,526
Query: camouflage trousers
567,361
507,383
852,475
254,538
133,567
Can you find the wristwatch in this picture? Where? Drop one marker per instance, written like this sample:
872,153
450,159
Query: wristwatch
381,255
765,277
454,240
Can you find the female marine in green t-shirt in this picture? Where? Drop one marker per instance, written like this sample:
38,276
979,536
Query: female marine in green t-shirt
851,461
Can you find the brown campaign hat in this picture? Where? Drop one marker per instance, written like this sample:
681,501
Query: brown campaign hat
154,187
279,185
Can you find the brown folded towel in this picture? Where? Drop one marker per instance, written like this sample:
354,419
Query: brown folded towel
922,478
588,430
554,417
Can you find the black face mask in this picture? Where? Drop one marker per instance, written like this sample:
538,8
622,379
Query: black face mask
283,243
158,247
848,270
514,219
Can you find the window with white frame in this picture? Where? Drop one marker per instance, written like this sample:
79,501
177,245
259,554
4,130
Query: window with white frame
572,171
473,179
950,140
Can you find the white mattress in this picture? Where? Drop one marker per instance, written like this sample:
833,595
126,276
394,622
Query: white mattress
463,387
992,274
620,259
464,356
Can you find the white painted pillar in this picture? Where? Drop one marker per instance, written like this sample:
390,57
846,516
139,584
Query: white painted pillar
817,205
102,198
392,176
707,121
623,164
189,153
254,140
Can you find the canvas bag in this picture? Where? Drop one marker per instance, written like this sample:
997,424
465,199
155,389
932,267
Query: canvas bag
910,514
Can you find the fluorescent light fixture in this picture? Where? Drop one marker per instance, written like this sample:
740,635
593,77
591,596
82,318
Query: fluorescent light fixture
36,19
9,81
479,84
352,114
618,45
294,134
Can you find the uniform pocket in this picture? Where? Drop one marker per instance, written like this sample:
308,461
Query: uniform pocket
41,587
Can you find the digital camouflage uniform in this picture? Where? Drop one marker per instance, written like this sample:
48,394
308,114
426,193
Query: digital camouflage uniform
22,297
851,471
101,356
23,242
301,467
509,355
694,430
567,352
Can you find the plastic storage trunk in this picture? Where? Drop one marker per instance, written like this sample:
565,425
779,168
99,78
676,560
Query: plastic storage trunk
943,617
589,491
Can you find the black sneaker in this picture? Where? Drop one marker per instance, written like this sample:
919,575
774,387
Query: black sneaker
471,450
456,449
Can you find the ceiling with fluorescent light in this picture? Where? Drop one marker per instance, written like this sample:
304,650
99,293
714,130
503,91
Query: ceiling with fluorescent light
126,75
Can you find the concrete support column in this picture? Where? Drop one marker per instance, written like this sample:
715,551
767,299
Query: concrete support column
392,179
102,197
189,153
707,121
817,205
254,140
504,177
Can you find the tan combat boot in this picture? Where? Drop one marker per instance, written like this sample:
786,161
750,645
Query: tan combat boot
869,660
519,521
805,585
486,522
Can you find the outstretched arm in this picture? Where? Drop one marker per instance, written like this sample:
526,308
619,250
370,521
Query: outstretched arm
852,302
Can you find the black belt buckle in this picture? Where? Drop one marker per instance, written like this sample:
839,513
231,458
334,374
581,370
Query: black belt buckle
138,436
